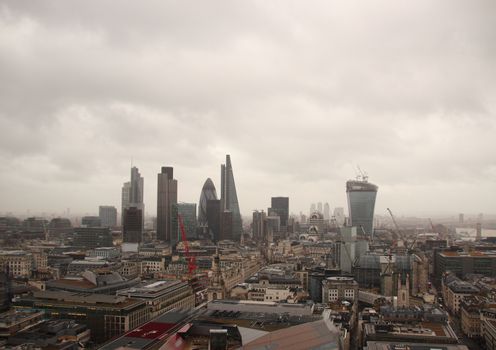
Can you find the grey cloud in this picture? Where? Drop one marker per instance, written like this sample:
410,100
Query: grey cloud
299,94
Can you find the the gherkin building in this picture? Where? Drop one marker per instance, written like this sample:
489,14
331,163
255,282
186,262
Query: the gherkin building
207,193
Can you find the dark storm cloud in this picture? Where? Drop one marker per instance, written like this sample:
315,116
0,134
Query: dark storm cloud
298,93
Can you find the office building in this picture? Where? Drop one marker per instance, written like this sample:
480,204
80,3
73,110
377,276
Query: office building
339,216
280,207
166,198
327,211
162,296
461,218
319,207
226,225
213,218
229,199
339,288
132,193
361,202
91,221
51,334
188,214
208,193
132,227
106,316
126,193
108,215
258,225
92,237
18,262
313,208
463,263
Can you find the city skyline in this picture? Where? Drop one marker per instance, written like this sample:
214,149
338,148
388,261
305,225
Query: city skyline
298,95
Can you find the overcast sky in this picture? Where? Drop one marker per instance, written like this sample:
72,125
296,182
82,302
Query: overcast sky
298,92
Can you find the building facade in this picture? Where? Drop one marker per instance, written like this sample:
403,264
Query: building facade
92,237
162,296
280,206
132,226
339,288
166,198
108,215
188,214
106,316
208,193
229,198
361,203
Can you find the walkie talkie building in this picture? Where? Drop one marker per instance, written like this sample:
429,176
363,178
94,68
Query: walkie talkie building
361,202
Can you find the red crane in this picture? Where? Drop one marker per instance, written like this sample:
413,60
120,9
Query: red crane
191,259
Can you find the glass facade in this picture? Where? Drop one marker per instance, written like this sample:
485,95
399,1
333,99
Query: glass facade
229,198
208,193
188,213
361,204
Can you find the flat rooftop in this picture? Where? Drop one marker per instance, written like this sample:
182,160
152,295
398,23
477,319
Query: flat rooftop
68,298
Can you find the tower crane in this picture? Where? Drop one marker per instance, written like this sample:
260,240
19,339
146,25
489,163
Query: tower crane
191,259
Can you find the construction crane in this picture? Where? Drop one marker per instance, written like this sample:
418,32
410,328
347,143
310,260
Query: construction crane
191,259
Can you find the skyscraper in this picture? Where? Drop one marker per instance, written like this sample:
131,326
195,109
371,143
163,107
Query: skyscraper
313,208
108,215
132,193
361,202
136,191
208,193
132,227
166,198
188,214
229,200
280,206
327,212
126,193
258,225
213,218
319,207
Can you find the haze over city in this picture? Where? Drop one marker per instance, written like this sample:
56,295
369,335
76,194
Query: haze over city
299,96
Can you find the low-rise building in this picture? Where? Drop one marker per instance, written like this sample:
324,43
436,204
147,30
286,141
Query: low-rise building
52,335
488,327
107,253
14,321
105,315
162,296
470,315
454,290
422,332
339,288
152,264
19,262
95,282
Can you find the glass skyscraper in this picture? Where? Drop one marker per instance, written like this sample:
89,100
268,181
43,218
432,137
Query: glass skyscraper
166,198
188,214
229,198
361,202
132,193
208,193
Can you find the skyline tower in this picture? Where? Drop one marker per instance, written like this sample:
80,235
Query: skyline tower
229,199
166,198
280,206
319,207
208,192
361,202
327,211
132,193
108,215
